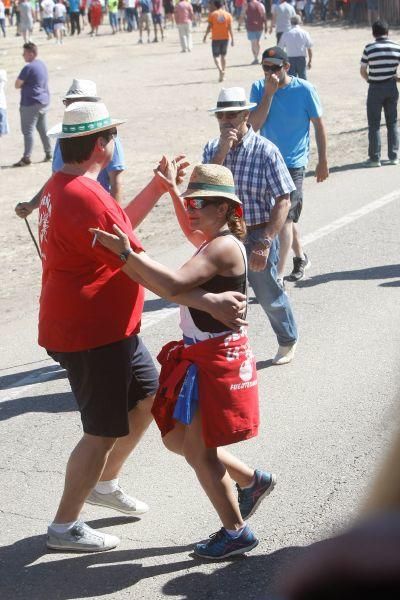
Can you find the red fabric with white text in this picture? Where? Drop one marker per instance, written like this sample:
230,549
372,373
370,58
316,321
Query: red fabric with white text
228,390
86,300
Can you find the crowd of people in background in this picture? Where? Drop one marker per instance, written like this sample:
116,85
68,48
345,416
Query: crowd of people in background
60,17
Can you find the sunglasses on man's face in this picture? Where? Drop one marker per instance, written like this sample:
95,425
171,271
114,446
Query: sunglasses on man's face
197,203
272,68
230,114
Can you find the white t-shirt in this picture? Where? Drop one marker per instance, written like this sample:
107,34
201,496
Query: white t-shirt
295,42
283,13
2,13
59,10
47,8
3,81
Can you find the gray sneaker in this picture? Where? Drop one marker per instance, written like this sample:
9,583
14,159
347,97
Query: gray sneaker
119,501
81,538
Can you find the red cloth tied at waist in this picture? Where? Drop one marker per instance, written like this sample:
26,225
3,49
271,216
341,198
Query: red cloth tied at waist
228,389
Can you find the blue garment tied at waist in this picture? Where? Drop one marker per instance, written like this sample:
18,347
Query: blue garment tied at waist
188,399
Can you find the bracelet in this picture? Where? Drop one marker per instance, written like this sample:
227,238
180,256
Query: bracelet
263,253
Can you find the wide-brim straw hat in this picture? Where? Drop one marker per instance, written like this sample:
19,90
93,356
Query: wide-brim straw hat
232,99
211,181
83,118
82,88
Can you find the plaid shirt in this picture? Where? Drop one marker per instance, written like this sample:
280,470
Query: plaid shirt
259,172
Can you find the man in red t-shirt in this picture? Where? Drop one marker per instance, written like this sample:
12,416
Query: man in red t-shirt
256,25
89,321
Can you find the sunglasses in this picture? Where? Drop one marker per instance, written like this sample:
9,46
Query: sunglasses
272,68
230,114
197,203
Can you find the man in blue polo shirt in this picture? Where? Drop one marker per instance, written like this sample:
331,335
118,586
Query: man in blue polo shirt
110,177
285,107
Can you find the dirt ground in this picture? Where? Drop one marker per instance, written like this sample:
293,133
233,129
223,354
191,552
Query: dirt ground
164,96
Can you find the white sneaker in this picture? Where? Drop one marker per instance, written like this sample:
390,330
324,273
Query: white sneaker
119,501
81,538
284,355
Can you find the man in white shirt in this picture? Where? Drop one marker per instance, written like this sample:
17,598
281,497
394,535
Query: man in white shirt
297,43
281,15
47,7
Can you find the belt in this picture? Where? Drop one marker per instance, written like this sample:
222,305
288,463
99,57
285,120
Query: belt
259,226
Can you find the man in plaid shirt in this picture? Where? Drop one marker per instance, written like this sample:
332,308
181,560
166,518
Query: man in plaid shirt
263,184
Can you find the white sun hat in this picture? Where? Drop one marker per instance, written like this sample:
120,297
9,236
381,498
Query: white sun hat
82,88
232,99
84,118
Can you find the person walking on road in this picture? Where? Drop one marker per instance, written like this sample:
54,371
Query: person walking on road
183,18
110,371
220,25
281,15
298,46
285,108
27,18
379,64
263,184
256,24
35,100
212,369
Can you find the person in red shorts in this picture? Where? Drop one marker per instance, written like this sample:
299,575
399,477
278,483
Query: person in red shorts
220,25
89,320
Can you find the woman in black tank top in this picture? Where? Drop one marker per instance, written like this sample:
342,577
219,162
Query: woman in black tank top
210,214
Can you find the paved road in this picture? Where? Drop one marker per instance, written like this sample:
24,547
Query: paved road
326,420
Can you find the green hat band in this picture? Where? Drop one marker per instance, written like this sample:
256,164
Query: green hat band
229,189
79,127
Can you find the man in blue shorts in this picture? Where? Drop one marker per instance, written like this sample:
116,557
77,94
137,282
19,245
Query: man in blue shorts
110,177
285,107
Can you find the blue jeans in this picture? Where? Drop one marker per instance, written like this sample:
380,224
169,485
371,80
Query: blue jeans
270,295
113,18
48,25
382,95
298,66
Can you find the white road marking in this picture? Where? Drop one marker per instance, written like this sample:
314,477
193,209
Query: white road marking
151,319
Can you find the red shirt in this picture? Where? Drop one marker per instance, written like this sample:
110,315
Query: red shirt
86,301
228,391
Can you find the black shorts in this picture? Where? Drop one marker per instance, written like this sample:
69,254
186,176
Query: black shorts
219,47
296,197
108,382
197,8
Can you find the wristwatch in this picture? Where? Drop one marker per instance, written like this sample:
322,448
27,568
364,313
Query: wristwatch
124,255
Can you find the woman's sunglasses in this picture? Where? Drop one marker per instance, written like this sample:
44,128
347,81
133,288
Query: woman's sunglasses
197,203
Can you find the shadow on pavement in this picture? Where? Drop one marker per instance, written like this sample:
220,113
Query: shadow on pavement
157,304
244,578
383,272
49,373
23,575
48,403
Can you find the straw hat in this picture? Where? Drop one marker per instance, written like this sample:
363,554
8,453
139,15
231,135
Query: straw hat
82,88
211,180
232,99
83,118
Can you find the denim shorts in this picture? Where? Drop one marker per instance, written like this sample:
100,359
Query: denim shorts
296,197
254,35
108,382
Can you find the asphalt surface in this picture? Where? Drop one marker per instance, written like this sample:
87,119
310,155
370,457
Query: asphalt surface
327,420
